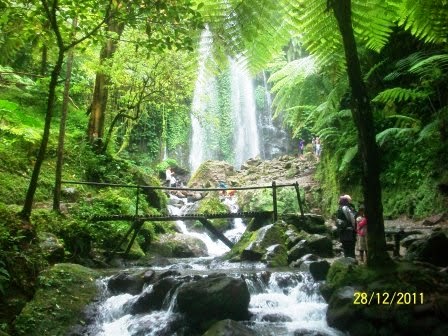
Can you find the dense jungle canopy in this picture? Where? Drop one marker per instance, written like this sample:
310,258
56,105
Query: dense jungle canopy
101,90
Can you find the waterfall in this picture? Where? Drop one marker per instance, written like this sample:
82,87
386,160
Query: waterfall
205,142
244,112
275,140
204,106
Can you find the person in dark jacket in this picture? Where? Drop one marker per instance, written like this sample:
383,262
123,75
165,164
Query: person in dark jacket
346,224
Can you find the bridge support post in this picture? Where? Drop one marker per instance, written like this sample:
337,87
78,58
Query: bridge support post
218,234
274,200
137,200
136,226
296,186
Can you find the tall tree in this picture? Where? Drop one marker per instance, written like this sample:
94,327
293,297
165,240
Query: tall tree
114,28
363,117
61,137
52,11
164,24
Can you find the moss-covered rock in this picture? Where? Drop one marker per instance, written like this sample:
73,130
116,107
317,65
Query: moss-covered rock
235,253
212,204
52,248
63,292
276,256
176,245
210,172
373,297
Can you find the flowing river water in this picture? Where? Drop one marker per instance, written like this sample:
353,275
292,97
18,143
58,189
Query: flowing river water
283,302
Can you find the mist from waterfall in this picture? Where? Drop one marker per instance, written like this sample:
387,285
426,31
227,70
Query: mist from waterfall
205,143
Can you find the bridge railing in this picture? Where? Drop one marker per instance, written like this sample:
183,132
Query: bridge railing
274,186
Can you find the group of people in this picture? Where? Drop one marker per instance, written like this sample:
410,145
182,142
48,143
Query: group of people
352,228
317,146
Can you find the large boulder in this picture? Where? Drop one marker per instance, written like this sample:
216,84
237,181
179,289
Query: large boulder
275,256
229,328
310,223
432,249
341,310
51,247
298,250
177,245
209,173
129,282
216,297
308,243
153,296
264,238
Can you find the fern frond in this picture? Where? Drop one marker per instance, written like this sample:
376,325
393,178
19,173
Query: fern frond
429,130
345,113
398,94
348,157
425,19
428,66
394,132
374,22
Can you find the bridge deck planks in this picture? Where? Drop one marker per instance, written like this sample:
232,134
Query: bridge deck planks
155,218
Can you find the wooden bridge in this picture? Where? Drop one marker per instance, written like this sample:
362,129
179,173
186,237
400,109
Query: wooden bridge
138,220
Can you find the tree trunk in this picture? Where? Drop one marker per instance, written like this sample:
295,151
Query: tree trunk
98,106
61,139
363,118
28,205
43,62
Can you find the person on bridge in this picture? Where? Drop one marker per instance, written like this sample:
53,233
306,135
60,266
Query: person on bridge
346,224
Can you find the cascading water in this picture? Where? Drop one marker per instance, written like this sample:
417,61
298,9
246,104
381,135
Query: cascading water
282,303
205,143
246,142
275,140
205,100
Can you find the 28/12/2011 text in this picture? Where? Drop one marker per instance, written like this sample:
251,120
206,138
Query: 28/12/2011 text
386,298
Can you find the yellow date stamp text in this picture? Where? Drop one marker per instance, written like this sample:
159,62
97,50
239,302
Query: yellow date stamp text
388,298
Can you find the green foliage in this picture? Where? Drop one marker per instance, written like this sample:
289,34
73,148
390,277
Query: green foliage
4,278
425,19
63,293
212,204
399,95
261,200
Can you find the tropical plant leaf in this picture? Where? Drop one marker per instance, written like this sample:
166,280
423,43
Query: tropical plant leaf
394,132
425,19
398,95
429,130
348,157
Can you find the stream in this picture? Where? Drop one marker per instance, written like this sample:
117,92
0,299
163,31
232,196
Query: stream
283,302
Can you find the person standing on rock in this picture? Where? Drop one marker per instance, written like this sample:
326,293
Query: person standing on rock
346,224
168,174
301,147
361,230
